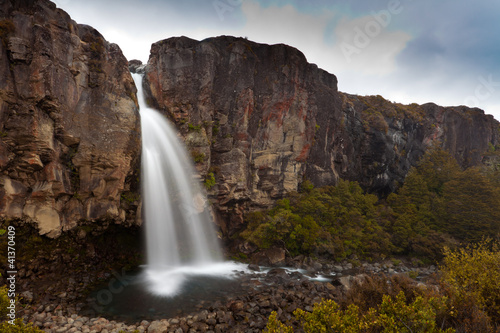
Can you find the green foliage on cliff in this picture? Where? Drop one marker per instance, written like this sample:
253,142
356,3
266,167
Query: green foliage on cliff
197,156
439,205
209,181
376,109
97,48
194,128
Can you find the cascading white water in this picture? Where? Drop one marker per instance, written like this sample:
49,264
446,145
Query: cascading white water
179,234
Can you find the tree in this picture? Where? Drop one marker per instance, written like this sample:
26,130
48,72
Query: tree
437,167
471,206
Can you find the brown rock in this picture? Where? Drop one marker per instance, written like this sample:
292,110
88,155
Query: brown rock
269,257
158,326
69,121
236,306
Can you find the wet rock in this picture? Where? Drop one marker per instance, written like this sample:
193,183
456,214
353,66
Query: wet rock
269,257
254,267
277,273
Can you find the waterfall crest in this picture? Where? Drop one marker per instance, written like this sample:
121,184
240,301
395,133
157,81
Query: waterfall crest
179,233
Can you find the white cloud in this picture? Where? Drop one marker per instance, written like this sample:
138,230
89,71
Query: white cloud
367,47
389,64
307,33
284,25
493,109
131,46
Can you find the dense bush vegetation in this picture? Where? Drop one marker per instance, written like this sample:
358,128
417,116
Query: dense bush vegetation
465,299
439,205
393,315
472,275
19,327
339,221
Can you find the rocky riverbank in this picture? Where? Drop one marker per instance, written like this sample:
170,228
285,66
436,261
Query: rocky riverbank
263,290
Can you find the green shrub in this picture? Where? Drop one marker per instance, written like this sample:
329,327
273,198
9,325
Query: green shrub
473,274
197,157
276,326
18,327
440,204
215,129
194,128
130,197
335,221
393,315
4,302
209,181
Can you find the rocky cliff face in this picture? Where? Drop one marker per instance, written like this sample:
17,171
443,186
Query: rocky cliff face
69,124
257,119
261,119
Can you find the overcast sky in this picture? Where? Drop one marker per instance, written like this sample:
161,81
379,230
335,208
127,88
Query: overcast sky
445,51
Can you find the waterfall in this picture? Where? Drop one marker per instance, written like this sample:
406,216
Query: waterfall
179,233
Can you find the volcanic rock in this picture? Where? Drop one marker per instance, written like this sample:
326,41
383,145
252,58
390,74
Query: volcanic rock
69,122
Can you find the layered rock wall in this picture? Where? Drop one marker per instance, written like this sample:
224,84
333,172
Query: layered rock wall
261,119
69,123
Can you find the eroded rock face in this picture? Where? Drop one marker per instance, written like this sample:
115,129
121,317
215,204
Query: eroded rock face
262,119
70,132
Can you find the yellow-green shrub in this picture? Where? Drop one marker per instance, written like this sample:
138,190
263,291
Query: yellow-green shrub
473,274
18,327
368,292
4,302
393,315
